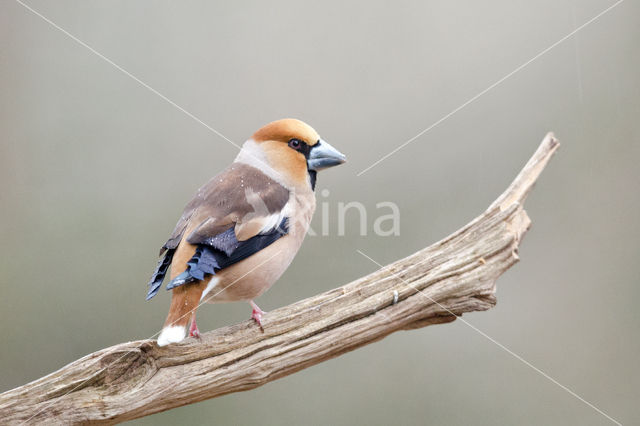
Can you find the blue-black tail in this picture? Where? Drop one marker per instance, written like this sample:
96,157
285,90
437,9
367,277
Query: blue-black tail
159,273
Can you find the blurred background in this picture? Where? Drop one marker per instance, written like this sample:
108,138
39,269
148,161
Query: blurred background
95,170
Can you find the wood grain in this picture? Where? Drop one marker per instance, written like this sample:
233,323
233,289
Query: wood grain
432,286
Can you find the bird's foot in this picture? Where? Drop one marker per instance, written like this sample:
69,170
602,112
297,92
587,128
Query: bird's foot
257,317
193,329
256,314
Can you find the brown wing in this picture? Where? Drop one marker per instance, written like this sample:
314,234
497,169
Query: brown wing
241,196
234,206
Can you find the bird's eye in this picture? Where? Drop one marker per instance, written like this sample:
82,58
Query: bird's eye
295,143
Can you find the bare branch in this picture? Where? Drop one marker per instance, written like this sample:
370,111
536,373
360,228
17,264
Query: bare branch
135,379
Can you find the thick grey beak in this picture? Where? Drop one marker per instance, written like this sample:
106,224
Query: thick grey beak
323,155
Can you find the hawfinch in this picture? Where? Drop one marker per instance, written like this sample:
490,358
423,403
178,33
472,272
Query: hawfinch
243,228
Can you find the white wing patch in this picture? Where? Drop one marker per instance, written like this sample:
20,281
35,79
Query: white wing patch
260,220
213,282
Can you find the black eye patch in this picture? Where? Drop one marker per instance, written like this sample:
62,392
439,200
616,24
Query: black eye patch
300,146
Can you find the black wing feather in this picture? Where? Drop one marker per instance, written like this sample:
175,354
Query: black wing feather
222,251
159,273
226,242
253,245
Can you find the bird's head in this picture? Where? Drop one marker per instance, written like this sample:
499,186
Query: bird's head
292,149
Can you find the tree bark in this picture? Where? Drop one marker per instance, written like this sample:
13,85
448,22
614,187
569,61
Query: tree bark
432,286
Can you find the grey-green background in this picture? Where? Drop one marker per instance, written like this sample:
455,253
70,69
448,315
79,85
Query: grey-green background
95,170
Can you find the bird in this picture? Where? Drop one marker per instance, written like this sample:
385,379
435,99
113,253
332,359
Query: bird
243,228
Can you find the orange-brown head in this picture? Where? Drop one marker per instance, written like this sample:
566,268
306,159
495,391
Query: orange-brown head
292,149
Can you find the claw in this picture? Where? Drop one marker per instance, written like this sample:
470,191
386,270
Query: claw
256,314
193,329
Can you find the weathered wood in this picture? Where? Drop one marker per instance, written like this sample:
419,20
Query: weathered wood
433,286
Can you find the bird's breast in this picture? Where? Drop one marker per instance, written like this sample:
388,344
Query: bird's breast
254,275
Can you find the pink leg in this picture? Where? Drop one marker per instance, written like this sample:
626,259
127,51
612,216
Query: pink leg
257,313
193,329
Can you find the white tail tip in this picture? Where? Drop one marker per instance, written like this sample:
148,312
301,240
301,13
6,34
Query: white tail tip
172,334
